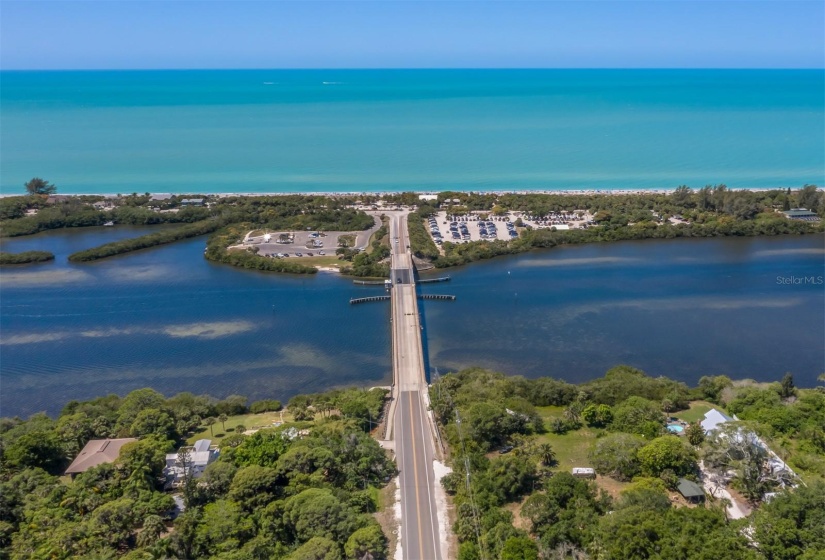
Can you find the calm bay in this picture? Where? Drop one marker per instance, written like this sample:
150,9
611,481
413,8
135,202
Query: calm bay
169,319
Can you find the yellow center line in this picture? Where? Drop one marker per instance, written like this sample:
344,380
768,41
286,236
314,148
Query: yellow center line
415,479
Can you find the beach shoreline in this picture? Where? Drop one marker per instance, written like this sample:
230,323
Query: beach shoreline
334,194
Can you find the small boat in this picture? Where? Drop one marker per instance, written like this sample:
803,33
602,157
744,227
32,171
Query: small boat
108,224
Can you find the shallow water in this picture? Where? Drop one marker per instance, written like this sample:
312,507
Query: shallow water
169,319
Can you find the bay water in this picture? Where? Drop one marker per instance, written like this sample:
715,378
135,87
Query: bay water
432,130
167,318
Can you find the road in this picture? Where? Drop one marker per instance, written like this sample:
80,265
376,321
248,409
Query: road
413,438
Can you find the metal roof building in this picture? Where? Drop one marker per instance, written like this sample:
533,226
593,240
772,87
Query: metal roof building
96,452
691,491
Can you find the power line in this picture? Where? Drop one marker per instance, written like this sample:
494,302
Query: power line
467,470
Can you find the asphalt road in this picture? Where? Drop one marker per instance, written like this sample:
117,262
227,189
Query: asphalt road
413,439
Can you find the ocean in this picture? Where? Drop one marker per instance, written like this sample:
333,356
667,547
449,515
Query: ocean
256,131
166,318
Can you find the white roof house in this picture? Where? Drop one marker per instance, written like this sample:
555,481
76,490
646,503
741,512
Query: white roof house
201,455
713,418
583,472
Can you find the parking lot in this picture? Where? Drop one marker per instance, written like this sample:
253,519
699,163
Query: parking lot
307,243
471,227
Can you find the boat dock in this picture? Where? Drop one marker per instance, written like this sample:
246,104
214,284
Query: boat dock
431,280
368,299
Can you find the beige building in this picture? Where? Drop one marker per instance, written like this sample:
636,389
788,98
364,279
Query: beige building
96,452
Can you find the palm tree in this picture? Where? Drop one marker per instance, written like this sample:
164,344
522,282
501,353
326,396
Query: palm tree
222,419
547,455
573,412
210,422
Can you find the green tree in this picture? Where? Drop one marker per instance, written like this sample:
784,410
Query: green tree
367,543
255,486
217,477
616,455
786,386
317,548
40,449
114,521
75,430
547,455
267,405
639,531
39,186
520,548
143,461
597,415
316,512
153,422
638,416
210,422
792,525
240,429
667,452
711,387
222,528
153,528
261,448
695,433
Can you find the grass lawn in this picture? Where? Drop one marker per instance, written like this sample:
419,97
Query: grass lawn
571,448
249,421
346,240
696,412
315,260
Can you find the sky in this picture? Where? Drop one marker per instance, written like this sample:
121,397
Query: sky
116,34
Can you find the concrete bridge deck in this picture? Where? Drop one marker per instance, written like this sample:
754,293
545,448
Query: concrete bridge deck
420,539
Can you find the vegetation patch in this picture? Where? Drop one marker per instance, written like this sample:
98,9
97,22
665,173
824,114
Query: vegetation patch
26,257
309,489
145,241
517,440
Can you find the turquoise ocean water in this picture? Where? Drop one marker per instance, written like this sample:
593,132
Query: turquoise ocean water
377,130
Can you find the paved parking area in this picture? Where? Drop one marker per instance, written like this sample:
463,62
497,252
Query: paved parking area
326,241
474,228
499,229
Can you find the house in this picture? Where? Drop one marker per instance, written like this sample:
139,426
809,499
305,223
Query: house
56,198
802,214
200,455
691,491
191,202
159,197
713,418
96,452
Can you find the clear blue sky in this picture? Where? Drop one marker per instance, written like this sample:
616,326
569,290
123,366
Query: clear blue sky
385,34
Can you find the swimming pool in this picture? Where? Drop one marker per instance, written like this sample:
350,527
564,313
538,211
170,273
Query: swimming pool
675,428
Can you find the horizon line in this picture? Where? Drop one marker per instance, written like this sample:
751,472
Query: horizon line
412,68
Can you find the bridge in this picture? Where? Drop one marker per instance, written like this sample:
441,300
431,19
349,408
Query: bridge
411,429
